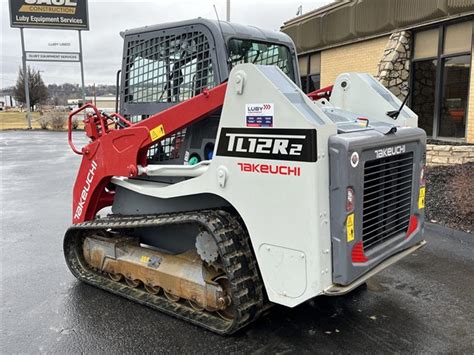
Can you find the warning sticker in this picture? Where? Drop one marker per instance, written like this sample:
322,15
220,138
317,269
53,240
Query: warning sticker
157,132
259,115
350,227
421,198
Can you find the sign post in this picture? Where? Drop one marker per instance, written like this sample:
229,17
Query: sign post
26,80
53,14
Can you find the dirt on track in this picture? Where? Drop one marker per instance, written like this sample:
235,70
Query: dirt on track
450,196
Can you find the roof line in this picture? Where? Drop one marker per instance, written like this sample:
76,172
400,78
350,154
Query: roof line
318,11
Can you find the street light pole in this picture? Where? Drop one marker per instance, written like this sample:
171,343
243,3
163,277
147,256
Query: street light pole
227,13
26,79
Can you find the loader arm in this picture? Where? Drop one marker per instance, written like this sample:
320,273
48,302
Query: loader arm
118,152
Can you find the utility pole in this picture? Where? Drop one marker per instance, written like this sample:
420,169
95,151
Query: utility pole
227,12
82,69
26,79
95,96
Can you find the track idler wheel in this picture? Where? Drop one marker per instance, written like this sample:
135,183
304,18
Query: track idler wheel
154,290
227,313
195,305
115,277
171,297
132,283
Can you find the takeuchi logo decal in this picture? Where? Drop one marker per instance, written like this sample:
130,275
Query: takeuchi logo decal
50,6
85,190
389,151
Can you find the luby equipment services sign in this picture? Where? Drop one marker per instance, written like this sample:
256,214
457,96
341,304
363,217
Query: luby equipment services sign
59,14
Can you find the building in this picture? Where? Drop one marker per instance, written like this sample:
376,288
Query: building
103,103
423,45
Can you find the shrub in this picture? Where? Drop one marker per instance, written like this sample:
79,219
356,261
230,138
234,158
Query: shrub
57,120
75,123
43,122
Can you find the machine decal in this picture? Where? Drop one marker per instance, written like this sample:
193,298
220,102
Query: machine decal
270,169
350,227
354,159
144,259
85,190
389,151
421,198
157,132
274,144
259,115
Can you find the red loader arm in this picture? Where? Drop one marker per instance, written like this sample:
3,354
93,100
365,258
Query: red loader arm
323,93
118,152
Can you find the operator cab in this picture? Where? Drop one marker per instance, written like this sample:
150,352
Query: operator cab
170,63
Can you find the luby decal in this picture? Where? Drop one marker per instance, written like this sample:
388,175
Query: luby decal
270,144
270,169
85,190
259,115
389,151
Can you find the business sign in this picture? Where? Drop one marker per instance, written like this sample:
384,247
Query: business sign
55,14
53,56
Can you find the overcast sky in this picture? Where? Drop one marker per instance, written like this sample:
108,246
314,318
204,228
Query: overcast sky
102,44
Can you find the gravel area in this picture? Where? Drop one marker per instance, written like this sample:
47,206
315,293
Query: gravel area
450,196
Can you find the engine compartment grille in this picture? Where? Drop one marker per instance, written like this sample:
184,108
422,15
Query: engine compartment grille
387,198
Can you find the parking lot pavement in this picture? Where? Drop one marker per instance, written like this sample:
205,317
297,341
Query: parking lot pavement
424,303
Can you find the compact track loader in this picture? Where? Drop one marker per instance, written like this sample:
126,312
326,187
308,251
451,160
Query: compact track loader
220,188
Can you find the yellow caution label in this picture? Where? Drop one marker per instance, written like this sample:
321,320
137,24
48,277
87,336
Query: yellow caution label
421,198
144,259
350,227
157,132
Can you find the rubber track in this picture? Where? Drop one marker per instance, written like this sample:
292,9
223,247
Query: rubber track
232,239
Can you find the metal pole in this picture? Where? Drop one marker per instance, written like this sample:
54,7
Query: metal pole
227,13
26,79
82,69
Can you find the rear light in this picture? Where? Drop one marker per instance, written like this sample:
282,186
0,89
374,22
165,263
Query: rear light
412,226
350,199
422,176
358,255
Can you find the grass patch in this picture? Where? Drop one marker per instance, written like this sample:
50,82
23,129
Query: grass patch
17,120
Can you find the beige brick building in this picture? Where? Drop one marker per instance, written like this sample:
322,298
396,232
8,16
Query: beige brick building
426,46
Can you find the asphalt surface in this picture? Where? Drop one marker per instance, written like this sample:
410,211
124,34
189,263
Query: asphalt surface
424,303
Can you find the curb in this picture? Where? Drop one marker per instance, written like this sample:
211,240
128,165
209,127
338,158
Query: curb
448,232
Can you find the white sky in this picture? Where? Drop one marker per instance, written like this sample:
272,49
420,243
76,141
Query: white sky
102,44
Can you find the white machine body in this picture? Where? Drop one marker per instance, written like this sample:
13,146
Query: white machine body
278,177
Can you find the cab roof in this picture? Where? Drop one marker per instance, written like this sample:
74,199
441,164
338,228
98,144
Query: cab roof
229,30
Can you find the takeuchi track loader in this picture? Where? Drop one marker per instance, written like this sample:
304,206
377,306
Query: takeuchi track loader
219,187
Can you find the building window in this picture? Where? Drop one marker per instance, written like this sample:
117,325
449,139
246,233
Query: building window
310,69
455,92
440,79
424,89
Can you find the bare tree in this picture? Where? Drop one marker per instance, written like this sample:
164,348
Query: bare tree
38,91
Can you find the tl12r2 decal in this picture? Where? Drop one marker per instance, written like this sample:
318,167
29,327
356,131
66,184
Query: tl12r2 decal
270,144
